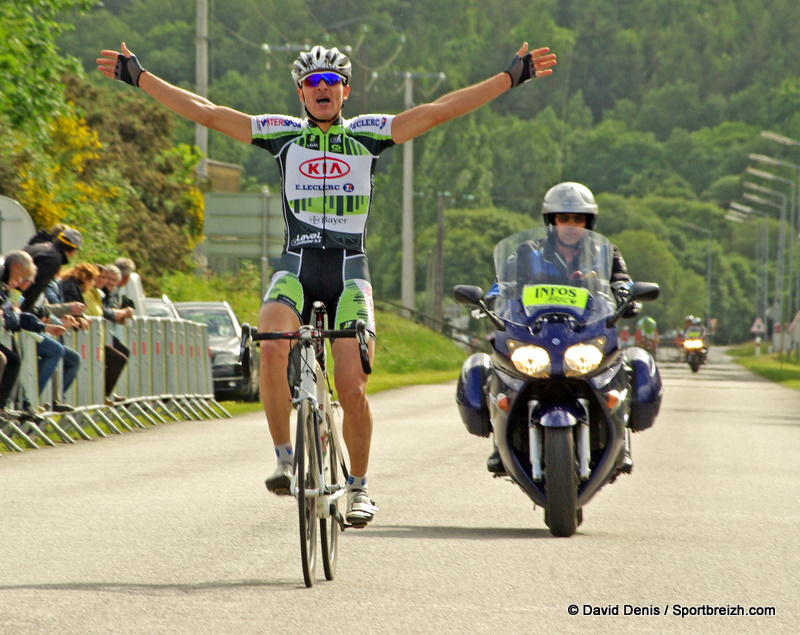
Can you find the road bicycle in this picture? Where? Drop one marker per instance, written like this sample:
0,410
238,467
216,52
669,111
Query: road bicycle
319,478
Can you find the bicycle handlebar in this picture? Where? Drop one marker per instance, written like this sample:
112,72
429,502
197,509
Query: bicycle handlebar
249,335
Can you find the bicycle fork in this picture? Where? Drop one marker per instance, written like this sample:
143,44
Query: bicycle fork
312,389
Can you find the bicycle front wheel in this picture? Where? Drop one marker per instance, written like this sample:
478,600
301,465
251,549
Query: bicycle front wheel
307,479
329,528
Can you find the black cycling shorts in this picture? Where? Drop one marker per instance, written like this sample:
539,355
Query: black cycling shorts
336,277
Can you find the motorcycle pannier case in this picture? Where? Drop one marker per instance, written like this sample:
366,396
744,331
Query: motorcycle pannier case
647,388
471,394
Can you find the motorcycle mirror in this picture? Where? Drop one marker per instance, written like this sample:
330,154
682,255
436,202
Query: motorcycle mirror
468,294
645,291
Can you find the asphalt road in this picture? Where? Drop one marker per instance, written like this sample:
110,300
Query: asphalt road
170,530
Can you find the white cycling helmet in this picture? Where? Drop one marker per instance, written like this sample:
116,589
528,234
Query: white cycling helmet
319,60
569,198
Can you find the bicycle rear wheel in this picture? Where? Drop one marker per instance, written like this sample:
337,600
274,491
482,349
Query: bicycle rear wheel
307,479
329,528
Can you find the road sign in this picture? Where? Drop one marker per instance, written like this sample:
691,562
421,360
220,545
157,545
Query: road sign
758,326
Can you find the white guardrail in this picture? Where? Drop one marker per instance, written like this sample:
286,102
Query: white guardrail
168,377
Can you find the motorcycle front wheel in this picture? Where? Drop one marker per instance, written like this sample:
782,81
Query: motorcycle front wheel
561,484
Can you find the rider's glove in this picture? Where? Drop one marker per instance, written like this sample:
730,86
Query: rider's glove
521,70
128,69
622,292
633,310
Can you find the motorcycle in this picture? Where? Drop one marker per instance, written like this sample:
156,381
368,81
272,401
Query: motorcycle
696,352
557,392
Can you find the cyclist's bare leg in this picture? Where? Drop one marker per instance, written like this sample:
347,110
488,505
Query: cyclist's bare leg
351,388
276,397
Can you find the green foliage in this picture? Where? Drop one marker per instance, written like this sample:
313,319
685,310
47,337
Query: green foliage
469,238
241,290
650,259
30,64
410,348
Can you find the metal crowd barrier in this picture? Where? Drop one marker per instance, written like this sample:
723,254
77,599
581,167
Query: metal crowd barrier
167,377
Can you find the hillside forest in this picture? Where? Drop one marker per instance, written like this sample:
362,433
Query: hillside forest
658,106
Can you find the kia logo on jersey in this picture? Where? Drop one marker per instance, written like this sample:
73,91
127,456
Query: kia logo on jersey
326,168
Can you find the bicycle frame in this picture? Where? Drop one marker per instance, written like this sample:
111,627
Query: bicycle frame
313,387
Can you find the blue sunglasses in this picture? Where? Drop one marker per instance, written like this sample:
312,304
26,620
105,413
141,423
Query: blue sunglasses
331,79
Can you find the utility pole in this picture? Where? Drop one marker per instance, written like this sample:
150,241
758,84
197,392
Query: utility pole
438,302
407,283
201,81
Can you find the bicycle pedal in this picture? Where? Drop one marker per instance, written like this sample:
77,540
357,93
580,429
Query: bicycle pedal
358,526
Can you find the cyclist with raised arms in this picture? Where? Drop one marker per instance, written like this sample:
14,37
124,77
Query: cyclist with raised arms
326,165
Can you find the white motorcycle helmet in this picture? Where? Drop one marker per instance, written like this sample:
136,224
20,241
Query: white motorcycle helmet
320,60
569,198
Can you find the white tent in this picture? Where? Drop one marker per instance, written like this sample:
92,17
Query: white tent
16,226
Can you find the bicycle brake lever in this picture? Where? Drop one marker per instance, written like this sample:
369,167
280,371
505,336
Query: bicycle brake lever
363,349
244,348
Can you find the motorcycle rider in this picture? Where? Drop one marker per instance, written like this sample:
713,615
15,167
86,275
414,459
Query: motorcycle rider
694,330
569,209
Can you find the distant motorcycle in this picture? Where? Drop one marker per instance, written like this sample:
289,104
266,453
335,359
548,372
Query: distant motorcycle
696,353
557,392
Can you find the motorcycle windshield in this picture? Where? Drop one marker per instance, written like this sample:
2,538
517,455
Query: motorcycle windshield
566,268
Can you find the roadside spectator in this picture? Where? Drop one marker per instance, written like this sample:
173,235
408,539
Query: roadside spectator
80,284
126,267
19,276
12,267
112,302
49,257
93,297
69,315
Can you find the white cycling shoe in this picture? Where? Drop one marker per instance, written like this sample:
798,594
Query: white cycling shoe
360,509
280,482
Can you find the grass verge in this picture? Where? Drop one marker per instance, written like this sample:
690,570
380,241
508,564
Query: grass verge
783,369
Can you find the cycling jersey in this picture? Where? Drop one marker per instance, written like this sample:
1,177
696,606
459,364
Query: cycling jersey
647,325
326,177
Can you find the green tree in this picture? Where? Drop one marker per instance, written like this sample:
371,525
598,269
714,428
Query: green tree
30,64
469,239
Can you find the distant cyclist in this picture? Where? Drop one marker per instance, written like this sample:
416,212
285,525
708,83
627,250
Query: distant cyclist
646,334
327,164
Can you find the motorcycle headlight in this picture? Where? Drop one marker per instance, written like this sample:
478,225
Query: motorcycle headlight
583,358
531,360
693,344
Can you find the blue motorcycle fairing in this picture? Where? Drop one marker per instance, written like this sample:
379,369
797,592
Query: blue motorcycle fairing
561,416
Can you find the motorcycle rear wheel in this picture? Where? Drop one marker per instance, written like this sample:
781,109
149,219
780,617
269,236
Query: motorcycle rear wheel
561,486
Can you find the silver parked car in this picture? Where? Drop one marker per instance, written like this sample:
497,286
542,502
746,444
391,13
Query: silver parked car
224,337
161,307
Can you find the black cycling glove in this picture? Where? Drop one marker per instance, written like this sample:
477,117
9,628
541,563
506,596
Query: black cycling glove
521,70
128,70
622,293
